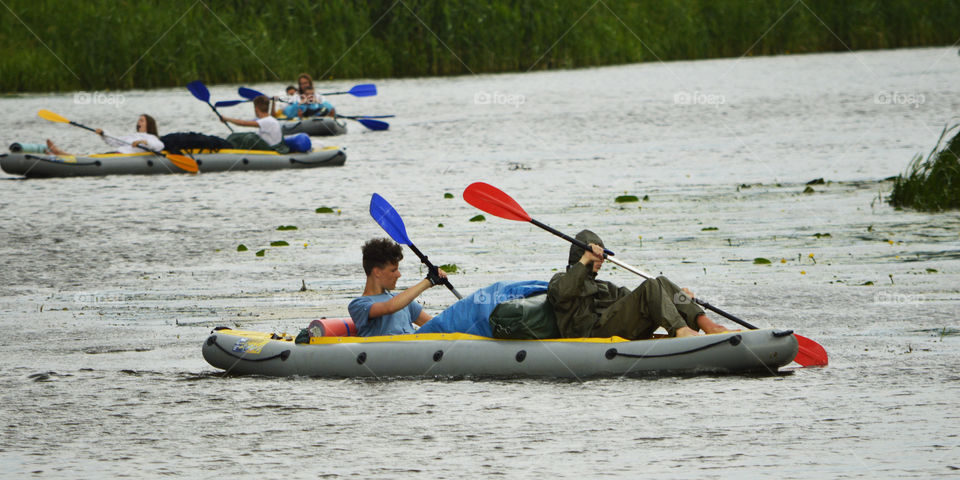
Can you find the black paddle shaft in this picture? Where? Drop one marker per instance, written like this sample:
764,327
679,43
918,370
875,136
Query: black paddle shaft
423,258
607,253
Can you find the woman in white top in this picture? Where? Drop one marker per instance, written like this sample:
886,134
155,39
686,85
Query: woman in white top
146,137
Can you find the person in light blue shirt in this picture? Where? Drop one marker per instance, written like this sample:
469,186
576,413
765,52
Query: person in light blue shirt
379,311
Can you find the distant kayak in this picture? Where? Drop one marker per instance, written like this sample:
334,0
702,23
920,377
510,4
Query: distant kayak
314,126
459,354
39,165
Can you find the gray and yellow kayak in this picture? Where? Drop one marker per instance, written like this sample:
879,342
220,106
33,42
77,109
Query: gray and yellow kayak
457,354
46,165
314,126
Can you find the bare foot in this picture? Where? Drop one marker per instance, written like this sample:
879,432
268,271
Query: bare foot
709,326
54,149
687,332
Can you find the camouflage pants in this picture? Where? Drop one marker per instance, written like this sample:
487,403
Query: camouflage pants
655,303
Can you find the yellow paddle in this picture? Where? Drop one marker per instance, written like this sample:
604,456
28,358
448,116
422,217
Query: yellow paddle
182,162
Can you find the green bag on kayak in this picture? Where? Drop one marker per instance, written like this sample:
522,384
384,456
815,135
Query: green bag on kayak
530,318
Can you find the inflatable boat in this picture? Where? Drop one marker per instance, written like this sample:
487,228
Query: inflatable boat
459,354
46,165
314,126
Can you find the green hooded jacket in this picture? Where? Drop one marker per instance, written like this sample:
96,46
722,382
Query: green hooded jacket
578,298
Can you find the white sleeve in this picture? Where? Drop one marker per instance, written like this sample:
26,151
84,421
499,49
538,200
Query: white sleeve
153,142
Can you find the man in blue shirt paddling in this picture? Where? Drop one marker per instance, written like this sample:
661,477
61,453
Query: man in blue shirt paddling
379,311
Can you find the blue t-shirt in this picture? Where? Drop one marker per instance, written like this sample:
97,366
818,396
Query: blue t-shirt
397,323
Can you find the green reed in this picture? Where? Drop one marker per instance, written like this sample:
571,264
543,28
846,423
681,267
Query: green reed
99,44
931,184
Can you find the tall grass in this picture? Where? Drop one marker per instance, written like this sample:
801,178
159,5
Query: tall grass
931,184
96,44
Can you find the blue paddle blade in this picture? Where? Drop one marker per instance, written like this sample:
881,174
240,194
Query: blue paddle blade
229,103
199,90
373,124
363,90
355,117
388,219
249,93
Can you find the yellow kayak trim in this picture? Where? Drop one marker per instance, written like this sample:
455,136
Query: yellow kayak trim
409,337
187,152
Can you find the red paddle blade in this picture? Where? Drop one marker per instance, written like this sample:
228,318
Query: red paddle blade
492,200
811,353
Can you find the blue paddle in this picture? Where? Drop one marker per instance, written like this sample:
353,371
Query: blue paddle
229,103
389,220
366,121
200,91
362,90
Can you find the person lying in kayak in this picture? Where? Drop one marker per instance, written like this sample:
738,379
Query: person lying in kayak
379,311
587,307
268,137
146,136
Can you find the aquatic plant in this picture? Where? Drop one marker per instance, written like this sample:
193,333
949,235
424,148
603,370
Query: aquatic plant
931,184
100,44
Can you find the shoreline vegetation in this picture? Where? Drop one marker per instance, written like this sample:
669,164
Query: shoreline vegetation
931,184
105,44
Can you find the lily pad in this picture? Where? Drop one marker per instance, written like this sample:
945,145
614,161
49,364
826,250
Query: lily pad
809,190
821,235
931,270
449,268
241,248
866,284
324,210
816,181
478,218
260,252
626,199
447,195
709,229
287,227
761,261
439,225
279,243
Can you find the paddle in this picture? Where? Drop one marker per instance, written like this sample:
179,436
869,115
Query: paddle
364,120
184,163
492,200
362,90
200,91
388,218
367,122
229,103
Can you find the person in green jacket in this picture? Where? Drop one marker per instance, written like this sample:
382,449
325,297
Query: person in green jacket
587,307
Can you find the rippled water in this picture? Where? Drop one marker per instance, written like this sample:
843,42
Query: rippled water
109,285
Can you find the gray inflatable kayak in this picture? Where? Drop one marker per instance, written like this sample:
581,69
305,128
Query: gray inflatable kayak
314,126
458,354
45,165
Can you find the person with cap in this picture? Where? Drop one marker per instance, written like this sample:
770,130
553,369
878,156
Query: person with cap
587,307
